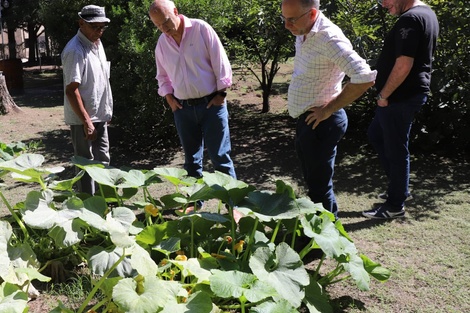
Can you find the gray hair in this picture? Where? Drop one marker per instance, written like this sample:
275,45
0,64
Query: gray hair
310,4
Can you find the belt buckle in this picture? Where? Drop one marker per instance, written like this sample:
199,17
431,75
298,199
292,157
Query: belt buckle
193,102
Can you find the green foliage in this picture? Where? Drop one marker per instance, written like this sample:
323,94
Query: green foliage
201,261
9,151
444,120
254,37
138,108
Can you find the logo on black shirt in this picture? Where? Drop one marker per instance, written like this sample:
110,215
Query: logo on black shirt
404,32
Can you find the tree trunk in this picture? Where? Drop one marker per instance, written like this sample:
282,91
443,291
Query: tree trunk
11,43
32,43
6,101
266,106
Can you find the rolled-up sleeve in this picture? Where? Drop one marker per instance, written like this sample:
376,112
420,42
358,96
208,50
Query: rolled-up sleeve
349,61
219,60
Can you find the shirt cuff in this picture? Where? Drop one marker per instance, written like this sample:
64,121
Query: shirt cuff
364,77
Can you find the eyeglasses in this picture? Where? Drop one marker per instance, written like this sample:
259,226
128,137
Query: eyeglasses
97,28
164,23
293,20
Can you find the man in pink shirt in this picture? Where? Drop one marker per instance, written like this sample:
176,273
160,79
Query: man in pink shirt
193,73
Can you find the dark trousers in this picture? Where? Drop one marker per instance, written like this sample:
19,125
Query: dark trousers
316,149
97,150
389,133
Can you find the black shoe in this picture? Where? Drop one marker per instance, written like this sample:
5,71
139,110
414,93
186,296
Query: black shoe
384,212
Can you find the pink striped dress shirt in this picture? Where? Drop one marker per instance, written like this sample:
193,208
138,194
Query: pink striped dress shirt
197,67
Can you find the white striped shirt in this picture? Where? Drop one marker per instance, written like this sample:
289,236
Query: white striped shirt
320,65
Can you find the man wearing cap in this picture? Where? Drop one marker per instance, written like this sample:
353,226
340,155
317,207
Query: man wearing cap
88,102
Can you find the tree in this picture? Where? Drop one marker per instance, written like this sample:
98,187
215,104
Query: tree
62,29
9,21
263,41
25,14
7,104
446,118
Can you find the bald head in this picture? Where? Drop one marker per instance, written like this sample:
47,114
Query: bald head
161,6
303,3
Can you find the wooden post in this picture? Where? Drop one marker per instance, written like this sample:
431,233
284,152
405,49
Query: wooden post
6,101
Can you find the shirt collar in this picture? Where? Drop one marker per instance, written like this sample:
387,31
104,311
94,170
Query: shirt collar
86,42
187,24
317,25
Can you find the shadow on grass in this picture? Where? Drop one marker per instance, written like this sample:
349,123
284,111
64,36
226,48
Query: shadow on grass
42,90
263,146
344,303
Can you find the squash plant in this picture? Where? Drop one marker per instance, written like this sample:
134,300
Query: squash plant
203,261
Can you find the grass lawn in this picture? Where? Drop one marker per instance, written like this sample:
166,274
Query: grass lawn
427,252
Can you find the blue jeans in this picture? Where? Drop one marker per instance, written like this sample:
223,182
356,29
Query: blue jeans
316,149
198,126
389,133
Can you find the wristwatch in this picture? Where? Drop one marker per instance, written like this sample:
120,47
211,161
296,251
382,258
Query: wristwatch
379,97
222,93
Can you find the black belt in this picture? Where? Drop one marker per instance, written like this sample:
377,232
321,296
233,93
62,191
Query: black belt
202,100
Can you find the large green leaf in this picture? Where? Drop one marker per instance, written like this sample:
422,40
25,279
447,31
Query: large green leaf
67,232
112,177
5,263
174,200
33,274
234,284
198,302
142,262
118,223
133,178
316,298
326,236
268,206
101,260
29,165
281,306
176,176
192,267
14,257
283,270
62,224
12,299
155,234
375,270
65,185
355,267
226,188
149,295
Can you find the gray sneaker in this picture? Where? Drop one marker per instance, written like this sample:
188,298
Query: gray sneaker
384,212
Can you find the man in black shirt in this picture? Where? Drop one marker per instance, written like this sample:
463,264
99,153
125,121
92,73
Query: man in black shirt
403,84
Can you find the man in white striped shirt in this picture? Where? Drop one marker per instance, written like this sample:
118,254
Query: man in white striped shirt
323,57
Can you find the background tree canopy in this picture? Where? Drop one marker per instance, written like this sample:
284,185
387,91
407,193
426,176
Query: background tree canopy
254,37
